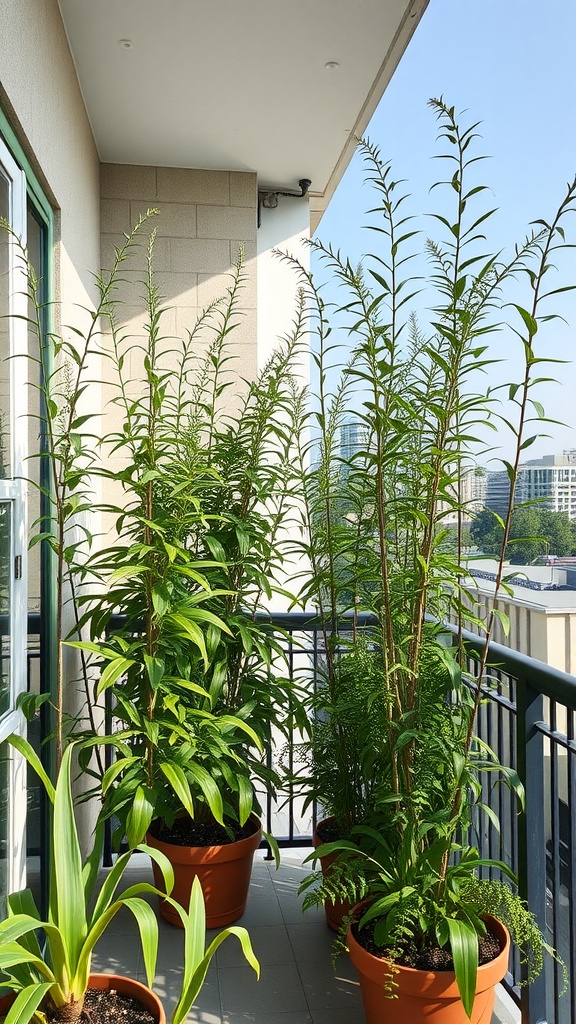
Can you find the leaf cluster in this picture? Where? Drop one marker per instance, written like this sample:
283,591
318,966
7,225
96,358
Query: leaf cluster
50,976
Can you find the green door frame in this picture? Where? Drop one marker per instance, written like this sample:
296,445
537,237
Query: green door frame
44,213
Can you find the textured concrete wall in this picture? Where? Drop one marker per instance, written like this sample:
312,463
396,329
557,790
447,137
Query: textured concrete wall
204,216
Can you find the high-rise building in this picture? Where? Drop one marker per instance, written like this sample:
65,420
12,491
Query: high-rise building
551,481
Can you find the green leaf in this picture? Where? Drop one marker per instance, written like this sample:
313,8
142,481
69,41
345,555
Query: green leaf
67,891
139,817
26,1003
179,783
208,788
24,748
464,946
528,319
155,668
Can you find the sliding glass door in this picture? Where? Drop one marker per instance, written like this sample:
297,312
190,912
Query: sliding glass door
13,524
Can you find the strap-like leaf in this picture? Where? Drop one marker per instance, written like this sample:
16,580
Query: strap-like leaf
464,945
68,907
34,761
26,1003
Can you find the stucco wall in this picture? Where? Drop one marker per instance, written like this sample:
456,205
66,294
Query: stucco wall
41,98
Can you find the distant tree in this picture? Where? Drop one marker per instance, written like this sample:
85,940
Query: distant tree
526,540
557,529
486,532
534,532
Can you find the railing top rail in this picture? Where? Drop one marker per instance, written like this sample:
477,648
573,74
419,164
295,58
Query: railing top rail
549,681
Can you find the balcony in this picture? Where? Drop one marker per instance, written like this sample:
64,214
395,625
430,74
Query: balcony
529,719
297,985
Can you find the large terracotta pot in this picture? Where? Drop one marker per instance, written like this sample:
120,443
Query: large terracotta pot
104,982
426,997
224,873
335,910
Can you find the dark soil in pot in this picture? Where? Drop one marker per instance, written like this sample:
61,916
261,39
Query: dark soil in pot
328,831
112,1008
188,832
108,1007
433,958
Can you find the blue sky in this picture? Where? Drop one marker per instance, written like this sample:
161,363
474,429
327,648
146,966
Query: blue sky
512,65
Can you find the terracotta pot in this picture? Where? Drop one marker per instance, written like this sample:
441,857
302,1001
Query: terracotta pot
224,873
104,982
426,997
335,910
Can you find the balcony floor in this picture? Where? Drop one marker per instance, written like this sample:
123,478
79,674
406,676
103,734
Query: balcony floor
297,982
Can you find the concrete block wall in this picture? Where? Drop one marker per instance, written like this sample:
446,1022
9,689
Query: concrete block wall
204,216
203,219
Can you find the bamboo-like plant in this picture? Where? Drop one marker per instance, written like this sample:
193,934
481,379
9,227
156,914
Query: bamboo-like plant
375,533
205,478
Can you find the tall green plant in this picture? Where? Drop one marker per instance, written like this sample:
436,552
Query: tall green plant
381,548
205,478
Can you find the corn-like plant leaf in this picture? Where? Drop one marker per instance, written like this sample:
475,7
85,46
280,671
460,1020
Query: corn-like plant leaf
26,1003
464,946
68,907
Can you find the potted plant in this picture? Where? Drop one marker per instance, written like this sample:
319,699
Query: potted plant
171,606
398,546
50,980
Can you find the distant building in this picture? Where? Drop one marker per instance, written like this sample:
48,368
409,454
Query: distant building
470,496
498,492
550,480
541,610
353,439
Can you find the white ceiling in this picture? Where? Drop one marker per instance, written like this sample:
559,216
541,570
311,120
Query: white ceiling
237,84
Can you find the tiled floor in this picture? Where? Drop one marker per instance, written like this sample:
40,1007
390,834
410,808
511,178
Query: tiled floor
297,982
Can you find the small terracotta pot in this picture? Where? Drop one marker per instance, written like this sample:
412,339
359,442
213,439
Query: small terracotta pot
335,910
426,997
105,982
224,873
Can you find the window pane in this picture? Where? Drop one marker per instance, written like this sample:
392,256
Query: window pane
4,336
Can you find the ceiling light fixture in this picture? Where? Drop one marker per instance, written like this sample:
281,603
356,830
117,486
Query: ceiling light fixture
126,44
331,65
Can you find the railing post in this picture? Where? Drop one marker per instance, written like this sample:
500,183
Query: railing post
532,832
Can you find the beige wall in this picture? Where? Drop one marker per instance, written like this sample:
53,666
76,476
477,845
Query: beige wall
41,97
547,634
203,218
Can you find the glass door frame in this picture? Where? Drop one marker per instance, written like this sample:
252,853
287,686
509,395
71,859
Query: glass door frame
13,492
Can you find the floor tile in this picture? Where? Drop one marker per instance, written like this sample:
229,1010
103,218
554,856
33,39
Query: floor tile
326,988
268,1018
270,944
292,912
262,911
348,1015
279,987
311,939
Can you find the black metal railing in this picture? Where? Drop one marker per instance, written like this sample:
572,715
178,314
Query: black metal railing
528,717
